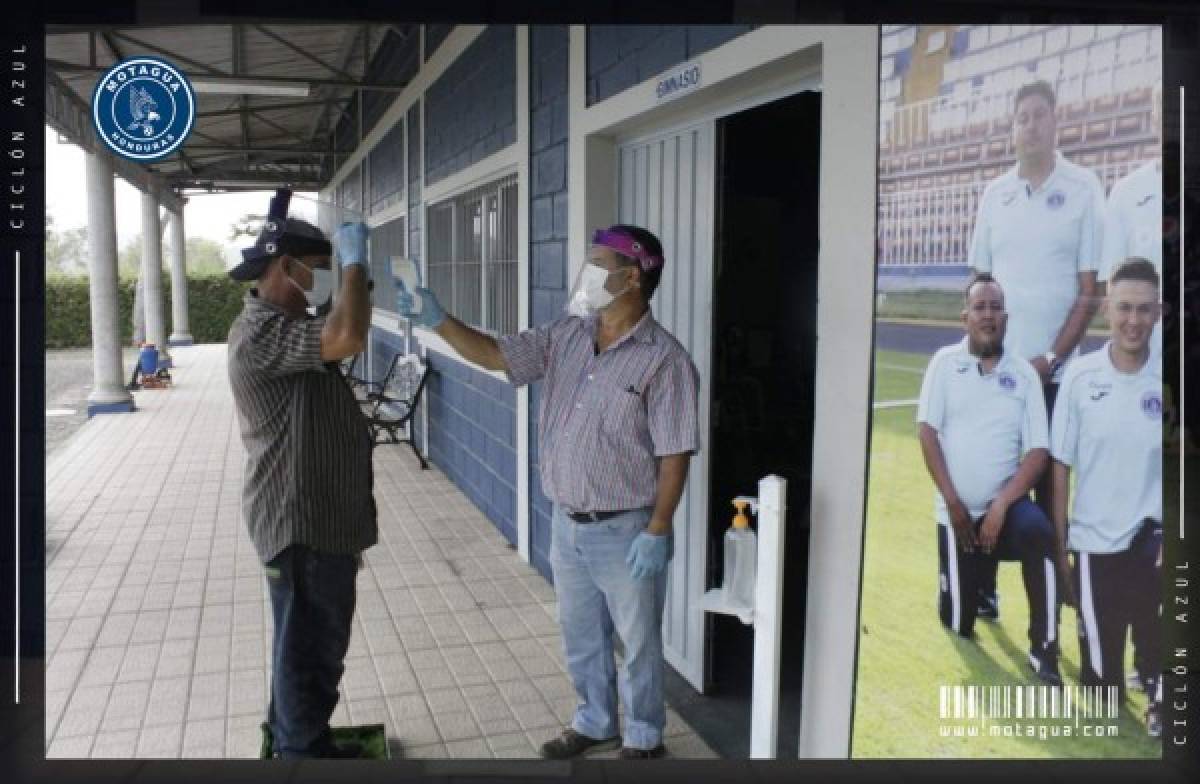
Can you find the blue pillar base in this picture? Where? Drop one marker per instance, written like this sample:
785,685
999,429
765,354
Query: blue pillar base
180,342
110,408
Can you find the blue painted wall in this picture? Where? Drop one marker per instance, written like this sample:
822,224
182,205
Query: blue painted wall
471,110
434,35
548,81
473,437
620,56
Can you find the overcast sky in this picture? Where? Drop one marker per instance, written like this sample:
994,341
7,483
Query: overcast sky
206,215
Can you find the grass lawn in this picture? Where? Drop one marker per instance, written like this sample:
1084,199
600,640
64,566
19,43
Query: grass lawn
935,305
905,654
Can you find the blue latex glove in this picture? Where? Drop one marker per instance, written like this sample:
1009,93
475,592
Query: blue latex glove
350,244
431,313
648,555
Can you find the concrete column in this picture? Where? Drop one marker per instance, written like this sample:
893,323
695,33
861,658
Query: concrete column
180,334
108,383
156,331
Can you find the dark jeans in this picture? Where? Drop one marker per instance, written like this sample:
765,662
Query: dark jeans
312,602
1027,536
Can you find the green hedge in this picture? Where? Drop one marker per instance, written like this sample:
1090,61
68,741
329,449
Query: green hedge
213,303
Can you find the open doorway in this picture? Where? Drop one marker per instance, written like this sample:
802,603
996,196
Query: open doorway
763,365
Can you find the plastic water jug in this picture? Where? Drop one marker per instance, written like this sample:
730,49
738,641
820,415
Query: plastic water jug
741,560
148,359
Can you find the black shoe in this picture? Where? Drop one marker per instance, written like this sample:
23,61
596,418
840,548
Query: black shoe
988,607
573,744
1154,720
627,753
1045,665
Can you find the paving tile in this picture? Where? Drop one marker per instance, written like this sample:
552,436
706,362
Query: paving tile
372,711
511,745
456,726
151,625
445,700
102,666
468,749
115,745
519,692
160,742
126,706
139,662
84,711
176,658
243,738
81,633
535,715
206,698
204,739
70,748
168,702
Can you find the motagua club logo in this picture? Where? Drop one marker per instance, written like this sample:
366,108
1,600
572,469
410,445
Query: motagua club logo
143,108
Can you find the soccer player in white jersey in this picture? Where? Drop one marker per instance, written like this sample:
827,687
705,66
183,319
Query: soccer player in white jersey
1108,429
1133,218
1039,232
982,428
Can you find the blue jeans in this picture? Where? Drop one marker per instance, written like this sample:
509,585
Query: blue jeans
312,602
597,596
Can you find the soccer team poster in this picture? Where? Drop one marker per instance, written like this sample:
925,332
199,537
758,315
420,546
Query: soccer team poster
993,623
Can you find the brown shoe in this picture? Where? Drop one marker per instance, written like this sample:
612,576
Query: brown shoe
573,744
628,753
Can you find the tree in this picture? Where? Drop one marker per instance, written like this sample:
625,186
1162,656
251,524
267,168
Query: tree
66,251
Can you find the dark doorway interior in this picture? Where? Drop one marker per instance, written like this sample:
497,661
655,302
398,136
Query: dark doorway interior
764,358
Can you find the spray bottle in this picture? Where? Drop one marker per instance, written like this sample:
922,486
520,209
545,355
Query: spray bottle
741,559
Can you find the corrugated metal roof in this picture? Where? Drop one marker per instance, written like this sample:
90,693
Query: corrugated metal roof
237,140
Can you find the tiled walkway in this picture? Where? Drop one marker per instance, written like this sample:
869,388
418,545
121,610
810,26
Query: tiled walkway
158,625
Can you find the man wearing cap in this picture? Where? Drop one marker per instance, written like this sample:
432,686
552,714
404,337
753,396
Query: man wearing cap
307,498
1039,231
1108,430
982,428
616,428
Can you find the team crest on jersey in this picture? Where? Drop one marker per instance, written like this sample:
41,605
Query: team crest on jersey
1007,381
143,108
1056,200
1152,404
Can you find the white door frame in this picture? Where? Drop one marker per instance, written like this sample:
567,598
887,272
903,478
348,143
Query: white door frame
767,63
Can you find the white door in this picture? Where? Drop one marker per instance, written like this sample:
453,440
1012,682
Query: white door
665,184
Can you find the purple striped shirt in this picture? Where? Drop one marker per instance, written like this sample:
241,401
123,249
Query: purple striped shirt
604,419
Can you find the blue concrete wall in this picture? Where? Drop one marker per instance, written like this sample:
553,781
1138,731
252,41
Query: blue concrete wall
548,81
470,111
620,56
396,62
385,167
473,437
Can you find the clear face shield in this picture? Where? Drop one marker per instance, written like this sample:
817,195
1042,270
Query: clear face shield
301,227
590,293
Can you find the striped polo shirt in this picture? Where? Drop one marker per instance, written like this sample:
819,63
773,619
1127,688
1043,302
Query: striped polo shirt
308,451
605,418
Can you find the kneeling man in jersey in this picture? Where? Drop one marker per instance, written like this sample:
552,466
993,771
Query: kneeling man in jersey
983,433
1108,429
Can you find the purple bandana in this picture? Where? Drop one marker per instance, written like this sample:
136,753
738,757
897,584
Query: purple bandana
627,246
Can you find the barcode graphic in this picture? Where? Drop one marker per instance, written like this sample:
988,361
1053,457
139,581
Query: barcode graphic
984,703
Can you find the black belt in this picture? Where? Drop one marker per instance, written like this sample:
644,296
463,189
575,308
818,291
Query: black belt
594,517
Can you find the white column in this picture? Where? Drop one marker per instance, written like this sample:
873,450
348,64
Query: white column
156,332
108,389
180,334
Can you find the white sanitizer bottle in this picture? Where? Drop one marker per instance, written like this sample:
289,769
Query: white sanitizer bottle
741,560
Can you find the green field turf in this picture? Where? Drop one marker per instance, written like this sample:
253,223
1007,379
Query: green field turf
905,654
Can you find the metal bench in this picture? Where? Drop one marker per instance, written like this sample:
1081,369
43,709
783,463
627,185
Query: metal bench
392,406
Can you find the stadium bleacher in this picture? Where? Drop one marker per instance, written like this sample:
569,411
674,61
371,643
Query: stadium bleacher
937,154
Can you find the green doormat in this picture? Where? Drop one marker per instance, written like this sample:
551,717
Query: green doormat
371,737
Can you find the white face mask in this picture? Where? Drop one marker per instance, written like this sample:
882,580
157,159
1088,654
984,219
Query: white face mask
322,288
589,295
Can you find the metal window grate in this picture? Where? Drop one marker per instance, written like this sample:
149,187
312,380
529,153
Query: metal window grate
473,255
387,240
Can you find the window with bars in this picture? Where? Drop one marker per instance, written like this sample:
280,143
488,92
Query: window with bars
387,240
472,245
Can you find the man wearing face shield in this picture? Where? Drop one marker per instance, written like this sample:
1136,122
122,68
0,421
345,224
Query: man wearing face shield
616,428
307,498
